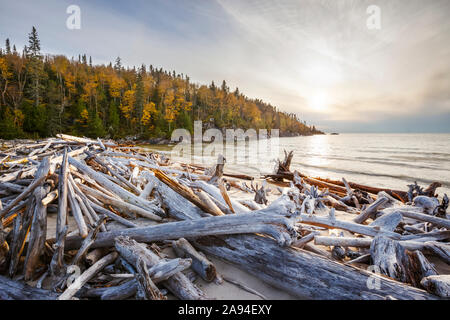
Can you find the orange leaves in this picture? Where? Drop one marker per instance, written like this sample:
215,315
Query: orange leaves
147,112
116,86
90,88
84,117
70,82
84,114
5,73
127,104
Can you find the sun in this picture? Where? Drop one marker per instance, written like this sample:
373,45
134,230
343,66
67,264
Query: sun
319,101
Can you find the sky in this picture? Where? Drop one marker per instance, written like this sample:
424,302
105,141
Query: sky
316,58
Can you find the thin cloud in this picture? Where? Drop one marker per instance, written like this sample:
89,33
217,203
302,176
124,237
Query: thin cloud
285,52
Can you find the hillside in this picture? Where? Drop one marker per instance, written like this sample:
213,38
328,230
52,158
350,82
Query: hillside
42,95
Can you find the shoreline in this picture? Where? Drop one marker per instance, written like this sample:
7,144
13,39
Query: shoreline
114,177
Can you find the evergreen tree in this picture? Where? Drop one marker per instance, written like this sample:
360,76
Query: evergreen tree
7,47
34,44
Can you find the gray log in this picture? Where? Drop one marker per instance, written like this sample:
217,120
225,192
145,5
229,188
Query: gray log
301,273
41,174
87,275
106,183
438,285
442,250
178,284
200,263
274,225
119,203
14,290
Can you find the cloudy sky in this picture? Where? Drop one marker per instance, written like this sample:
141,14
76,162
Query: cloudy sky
316,58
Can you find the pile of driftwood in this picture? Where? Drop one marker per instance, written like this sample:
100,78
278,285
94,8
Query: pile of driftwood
127,205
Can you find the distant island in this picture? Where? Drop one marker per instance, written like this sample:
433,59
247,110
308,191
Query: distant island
42,95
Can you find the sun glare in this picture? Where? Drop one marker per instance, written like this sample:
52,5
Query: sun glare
318,102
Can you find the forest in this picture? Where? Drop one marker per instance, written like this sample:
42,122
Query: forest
42,95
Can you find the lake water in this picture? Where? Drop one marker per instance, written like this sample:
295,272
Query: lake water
378,160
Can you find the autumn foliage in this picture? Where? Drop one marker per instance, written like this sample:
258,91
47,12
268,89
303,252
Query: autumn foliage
42,95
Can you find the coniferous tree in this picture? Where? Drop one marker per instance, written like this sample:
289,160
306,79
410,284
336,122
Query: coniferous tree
7,47
45,95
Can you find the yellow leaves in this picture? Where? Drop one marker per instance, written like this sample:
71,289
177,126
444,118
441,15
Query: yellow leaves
70,82
18,118
60,64
116,86
84,116
4,69
148,110
170,114
127,103
90,88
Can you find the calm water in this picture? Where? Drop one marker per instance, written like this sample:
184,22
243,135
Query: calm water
379,160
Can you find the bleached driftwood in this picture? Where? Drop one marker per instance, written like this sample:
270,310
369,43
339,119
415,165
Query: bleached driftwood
106,183
200,263
87,275
301,273
41,174
370,210
122,205
442,250
414,213
438,285
14,290
278,227
178,283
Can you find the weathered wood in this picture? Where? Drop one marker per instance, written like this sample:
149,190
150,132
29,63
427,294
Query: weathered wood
178,284
218,170
420,267
204,197
14,290
415,214
119,203
387,222
278,227
76,212
41,174
50,197
442,250
87,243
186,192
38,233
159,272
121,179
95,255
392,259
106,183
215,193
176,206
224,193
370,210
428,204
301,273
200,264
438,285
85,203
300,243
362,242
87,275
146,289
322,221
111,215
14,175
